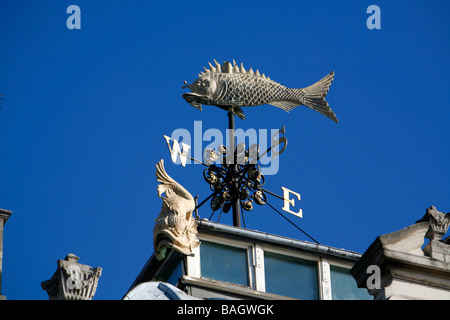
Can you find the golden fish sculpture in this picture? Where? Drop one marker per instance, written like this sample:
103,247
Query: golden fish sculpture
231,87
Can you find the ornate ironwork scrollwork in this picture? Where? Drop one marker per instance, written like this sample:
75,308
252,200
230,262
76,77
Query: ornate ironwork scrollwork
248,178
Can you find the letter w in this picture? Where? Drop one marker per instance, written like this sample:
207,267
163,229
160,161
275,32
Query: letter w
175,151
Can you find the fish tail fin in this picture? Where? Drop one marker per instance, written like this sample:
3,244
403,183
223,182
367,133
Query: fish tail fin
315,94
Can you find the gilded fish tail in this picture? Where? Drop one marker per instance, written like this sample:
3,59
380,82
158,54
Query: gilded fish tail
315,96
312,97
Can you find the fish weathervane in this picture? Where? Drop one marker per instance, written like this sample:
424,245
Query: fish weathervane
231,87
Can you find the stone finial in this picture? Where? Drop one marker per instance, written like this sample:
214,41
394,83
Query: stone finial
72,280
439,223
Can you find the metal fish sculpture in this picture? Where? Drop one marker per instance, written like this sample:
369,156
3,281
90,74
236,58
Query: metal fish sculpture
231,87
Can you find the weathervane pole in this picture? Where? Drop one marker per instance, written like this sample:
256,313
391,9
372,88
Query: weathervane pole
230,87
235,184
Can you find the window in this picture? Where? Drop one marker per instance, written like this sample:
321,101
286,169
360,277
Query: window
343,285
171,268
271,269
176,274
224,263
290,276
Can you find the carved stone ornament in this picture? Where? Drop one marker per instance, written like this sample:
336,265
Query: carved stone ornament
72,280
439,223
175,226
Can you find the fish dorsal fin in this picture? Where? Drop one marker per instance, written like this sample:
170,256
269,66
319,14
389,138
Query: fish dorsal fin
228,67
218,66
211,68
242,69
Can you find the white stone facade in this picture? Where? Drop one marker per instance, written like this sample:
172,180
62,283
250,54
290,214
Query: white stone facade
406,269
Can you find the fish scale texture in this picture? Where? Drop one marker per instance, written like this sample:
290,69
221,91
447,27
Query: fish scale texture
250,90
236,87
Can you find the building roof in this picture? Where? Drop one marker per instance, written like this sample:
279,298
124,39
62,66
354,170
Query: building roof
157,290
217,229
149,277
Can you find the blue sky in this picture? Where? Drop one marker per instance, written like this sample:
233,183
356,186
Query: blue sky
85,111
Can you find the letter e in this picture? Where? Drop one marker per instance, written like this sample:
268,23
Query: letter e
290,202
